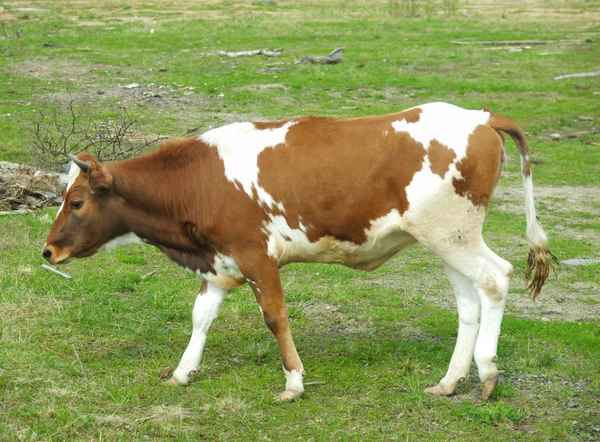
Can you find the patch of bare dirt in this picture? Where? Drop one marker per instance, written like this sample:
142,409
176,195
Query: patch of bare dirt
559,300
330,317
50,68
561,199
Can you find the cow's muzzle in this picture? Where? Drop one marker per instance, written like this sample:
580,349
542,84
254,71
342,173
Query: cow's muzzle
53,255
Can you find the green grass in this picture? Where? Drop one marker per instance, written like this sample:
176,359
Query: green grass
81,358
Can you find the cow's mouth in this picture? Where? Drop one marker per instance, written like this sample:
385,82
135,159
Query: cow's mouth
86,252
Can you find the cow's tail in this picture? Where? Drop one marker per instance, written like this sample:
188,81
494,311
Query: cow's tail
539,261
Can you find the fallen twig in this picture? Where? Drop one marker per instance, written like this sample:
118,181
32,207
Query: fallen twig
58,272
141,420
16,212
503,42
333,57
148,275
579,75
266,52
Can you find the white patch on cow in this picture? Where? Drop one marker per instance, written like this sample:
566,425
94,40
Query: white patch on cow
446,123
227,273
226,265
294,381
239,146
431,199
128,238
70,179
384,238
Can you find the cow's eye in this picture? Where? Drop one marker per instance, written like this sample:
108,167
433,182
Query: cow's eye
76,204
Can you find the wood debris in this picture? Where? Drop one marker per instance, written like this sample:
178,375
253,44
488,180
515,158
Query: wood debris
265,52
578,75
58,272
333,57
22,188
503,42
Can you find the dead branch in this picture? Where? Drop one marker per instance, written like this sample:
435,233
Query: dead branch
503,43
579,75
58,272
59,134
265,52
333,57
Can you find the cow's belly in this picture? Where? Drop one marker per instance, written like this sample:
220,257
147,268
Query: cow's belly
367,256
384,238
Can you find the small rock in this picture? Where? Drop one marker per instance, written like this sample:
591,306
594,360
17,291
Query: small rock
46,219
545,319
131,86
580,261
585,118
572,404
555,136
166,373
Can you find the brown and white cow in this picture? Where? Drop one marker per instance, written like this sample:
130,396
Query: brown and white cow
238,202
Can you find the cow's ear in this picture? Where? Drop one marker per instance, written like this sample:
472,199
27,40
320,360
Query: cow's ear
99,178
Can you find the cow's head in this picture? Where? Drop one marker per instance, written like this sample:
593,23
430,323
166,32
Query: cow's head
89,216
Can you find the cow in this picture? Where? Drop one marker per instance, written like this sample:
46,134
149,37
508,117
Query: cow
236,203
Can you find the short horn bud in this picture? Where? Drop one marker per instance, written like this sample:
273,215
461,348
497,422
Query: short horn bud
82,164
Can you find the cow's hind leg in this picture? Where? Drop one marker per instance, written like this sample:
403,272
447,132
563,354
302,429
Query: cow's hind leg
490,276
467,301
206,308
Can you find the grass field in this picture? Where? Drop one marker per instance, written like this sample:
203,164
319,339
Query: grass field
81,359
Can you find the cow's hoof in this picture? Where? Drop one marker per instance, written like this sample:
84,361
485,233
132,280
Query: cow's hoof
488,386
290,395
181,378
438,390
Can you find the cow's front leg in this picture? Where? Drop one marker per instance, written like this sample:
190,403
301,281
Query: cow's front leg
266,284
206,308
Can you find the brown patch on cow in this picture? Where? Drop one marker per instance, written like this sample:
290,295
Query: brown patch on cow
339,175
412,115
502,123
440,157
263,125
481,166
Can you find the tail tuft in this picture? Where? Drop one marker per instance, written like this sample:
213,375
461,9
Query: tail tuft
539,263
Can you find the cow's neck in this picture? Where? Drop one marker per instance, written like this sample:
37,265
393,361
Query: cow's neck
161,197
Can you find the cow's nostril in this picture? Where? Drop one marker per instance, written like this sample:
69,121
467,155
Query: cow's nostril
46,254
